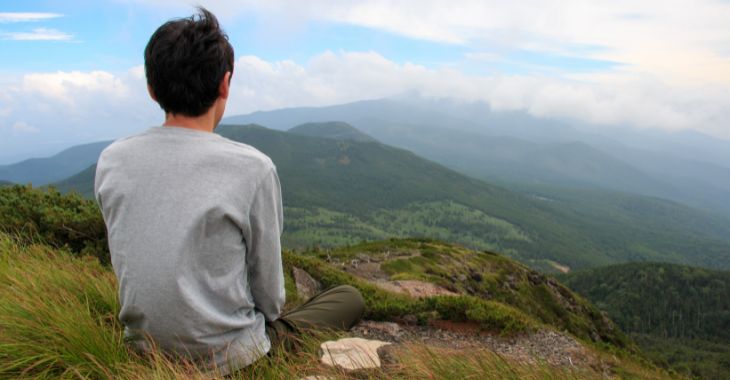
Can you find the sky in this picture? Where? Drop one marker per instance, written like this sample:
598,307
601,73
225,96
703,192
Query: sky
72,71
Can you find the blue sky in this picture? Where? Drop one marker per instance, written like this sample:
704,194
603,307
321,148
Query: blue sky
112,35
69,67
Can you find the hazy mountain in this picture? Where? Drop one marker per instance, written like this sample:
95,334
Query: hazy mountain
351,113
340,192
517,147
5,183
334,130
41,171
82,182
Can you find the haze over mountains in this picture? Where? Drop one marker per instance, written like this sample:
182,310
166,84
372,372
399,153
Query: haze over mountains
515,147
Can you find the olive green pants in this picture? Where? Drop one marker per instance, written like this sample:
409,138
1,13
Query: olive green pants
337,308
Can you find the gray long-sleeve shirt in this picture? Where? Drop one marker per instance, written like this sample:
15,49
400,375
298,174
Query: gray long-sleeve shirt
194,223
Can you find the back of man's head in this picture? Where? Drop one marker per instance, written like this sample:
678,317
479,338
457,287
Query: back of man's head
185,61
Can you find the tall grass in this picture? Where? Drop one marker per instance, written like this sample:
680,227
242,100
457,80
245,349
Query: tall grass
56,315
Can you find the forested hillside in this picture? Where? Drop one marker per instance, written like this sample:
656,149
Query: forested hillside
340,192
679,314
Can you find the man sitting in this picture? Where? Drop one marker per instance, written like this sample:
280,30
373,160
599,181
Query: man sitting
194,219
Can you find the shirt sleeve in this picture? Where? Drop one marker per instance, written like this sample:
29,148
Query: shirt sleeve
263,259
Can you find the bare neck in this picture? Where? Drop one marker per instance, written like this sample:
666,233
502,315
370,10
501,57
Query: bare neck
205,122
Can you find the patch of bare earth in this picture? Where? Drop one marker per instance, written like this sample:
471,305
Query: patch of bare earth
368,268
414,288
544,346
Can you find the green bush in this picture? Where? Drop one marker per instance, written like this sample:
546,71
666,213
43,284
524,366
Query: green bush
65,221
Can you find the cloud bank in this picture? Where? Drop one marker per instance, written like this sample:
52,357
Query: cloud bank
83,106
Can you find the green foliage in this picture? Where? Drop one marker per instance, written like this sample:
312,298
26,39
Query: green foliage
442,220
64,221
692,357
680,315
667,300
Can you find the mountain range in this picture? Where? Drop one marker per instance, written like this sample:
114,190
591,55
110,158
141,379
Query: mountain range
42,171
338,191
514,147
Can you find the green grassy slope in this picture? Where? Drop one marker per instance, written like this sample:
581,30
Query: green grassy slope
679,314
342,192
486,276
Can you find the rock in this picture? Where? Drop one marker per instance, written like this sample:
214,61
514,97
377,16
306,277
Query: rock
387,331
388,355
352,353
306,285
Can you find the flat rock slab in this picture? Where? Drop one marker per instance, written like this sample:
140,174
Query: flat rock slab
352,353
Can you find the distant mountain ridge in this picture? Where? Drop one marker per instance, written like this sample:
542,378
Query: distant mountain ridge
42,171
341,192
516,147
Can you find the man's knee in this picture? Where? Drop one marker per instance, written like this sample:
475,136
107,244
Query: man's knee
354,297
352,302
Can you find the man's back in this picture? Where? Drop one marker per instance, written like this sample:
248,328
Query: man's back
194,222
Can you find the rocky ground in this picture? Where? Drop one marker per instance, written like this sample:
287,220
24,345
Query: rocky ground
543,346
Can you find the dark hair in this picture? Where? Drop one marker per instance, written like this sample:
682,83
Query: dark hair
185,61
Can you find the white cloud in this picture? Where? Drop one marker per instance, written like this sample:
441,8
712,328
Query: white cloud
331,78
67,86
26,16
73,107
679,41
76,106
38,34
23,127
